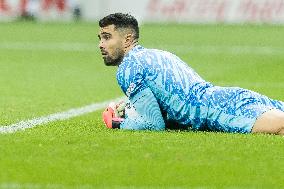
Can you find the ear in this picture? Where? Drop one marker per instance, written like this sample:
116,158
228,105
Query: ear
128,40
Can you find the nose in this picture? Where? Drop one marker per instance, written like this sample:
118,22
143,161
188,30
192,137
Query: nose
101,44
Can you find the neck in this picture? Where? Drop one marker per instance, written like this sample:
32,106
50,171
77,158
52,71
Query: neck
130,47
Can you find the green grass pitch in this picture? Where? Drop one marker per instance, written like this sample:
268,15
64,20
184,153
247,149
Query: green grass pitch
52,67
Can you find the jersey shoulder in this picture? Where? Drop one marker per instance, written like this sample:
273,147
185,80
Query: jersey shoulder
130,73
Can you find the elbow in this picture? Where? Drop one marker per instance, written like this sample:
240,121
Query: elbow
156,127
143,126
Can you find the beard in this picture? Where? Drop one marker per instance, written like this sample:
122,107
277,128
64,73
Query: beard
114,60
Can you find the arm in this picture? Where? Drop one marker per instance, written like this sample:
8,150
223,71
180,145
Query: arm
144,113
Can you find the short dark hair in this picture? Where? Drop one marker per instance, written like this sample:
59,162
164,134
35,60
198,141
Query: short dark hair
121,20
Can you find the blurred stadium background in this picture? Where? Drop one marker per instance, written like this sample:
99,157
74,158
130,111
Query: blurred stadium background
194,11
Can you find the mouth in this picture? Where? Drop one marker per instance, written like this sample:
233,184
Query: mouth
103,53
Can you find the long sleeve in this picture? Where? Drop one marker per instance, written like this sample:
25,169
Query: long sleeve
144,113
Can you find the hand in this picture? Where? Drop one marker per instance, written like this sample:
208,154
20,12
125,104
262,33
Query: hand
112,116
120,109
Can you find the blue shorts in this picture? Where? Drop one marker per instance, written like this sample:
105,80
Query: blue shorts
233,109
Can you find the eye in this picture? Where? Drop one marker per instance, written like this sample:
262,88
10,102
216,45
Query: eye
106,37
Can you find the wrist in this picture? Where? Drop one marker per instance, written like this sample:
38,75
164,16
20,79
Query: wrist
116,121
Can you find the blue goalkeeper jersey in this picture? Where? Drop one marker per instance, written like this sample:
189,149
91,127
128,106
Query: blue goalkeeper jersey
166,93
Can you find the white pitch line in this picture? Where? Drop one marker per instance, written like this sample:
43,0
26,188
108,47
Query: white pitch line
22,125
49,46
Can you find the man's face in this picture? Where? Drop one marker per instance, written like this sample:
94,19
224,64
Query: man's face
111,45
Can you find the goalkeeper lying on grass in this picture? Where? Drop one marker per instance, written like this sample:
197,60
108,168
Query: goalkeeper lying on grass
164,92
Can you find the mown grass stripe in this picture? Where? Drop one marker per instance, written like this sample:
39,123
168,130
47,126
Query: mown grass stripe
91,47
